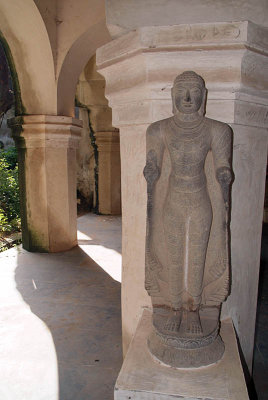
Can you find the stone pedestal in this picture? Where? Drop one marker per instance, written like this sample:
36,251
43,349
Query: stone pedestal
144,378
139,68
109,182
47,176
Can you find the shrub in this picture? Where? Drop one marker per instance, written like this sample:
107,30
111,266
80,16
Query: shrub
9,192
10,156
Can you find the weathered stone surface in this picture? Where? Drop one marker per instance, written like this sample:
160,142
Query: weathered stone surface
47,173
187,237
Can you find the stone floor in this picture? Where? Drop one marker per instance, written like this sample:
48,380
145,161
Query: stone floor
60,323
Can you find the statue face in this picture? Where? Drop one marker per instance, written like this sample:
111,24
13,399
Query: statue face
188,97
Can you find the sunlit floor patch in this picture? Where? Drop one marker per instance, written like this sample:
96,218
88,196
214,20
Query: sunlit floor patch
100,238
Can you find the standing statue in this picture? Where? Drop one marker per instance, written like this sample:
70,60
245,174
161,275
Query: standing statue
188,173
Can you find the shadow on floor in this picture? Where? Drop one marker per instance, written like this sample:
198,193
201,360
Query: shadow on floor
80,304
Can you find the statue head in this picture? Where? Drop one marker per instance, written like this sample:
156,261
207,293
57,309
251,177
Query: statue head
189,93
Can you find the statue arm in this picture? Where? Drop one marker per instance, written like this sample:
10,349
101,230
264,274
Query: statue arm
222,153
152,172
155,150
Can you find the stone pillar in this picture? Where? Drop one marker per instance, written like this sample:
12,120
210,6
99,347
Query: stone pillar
109,184
86,163
90,93
47,175
139,68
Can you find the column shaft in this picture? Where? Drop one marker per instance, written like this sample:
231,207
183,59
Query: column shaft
47,175
109,182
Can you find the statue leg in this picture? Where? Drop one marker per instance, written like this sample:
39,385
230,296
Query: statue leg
198,231
174,234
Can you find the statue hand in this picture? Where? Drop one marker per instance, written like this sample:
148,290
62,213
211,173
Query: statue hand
151,170
224,177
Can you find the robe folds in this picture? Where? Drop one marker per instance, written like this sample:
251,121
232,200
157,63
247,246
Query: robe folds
211,140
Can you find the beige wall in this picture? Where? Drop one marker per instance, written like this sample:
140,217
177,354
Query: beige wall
48,11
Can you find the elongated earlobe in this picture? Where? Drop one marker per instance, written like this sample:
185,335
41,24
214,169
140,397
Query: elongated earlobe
173,101
202,108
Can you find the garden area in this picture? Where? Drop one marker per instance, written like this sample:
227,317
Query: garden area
10,224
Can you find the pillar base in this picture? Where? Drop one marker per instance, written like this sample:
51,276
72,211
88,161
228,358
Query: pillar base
142,377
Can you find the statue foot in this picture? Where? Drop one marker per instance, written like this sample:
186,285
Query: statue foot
193,325
173,322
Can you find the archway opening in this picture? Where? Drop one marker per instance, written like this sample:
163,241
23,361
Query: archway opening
98,174
10,105
98,156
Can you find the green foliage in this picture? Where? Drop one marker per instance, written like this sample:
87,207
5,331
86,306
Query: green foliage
10,156
9,192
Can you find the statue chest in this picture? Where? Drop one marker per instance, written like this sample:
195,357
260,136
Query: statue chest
187,148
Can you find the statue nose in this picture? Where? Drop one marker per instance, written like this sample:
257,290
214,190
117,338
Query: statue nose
187,96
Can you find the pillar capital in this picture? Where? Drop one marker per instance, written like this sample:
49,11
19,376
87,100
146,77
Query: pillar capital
47,176
108,141
45,131
140,67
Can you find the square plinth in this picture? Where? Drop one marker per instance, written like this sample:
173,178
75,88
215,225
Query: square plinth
143,378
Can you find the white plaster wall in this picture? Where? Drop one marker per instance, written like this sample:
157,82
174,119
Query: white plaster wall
125,15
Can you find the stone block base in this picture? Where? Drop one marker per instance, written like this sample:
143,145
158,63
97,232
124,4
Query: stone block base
144,378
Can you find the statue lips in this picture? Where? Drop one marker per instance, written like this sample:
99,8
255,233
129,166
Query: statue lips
187,105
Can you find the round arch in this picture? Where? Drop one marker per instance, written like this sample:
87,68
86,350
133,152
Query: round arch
24,34
76,59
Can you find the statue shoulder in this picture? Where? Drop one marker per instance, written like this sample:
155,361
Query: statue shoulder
219,129
154,129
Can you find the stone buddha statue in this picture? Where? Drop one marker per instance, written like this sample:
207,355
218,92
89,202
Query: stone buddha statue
188,173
